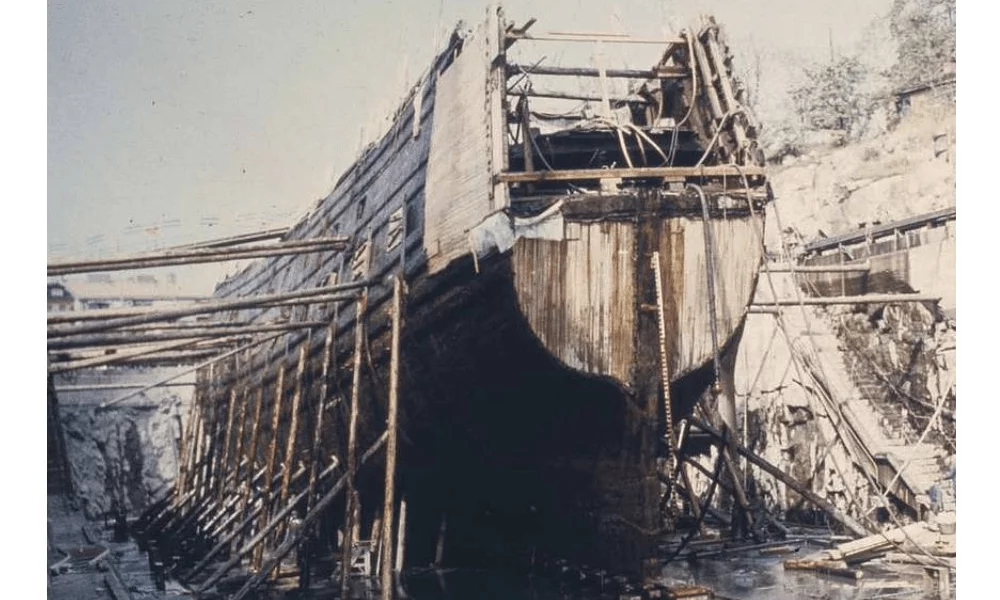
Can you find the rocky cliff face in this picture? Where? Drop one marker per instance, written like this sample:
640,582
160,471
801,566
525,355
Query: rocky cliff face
902,171
891,365
124,456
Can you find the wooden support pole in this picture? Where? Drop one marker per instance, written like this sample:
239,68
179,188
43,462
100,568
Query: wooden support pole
208,307
839,268
391,450
279,394
98,387
104,314
307,521
178,375
205,432
715,171
125,338
661,73
707,79
737,484
692,497
830,300
251,450
196,256
845,520
235,240
187,447
718,61
317,442
579,96
352,433
226,440
241,418
244,524
592,37
120,356
526,143
293,428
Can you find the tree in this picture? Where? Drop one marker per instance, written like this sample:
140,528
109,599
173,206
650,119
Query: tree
832,96
925,32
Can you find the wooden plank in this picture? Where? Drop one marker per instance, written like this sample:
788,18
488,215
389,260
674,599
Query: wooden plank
612,38
391,450
576,96
827,567
633,173
352,436
660,73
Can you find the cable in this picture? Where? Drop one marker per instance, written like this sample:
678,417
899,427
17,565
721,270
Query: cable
871,482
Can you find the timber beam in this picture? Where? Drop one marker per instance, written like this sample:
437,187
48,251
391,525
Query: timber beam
831,300
196,256
678,173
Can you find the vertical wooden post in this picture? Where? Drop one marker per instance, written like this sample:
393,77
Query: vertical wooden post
251,450
279,393
352,433
241,419
196,471
401,536
226,441
208,421
317,443
187,446
293,430
391,450
843,276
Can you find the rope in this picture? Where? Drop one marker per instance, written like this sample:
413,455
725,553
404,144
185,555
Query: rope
795,354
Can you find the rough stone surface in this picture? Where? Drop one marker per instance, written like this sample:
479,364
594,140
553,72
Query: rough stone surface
124,456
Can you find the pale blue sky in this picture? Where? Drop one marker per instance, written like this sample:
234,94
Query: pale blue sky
183,120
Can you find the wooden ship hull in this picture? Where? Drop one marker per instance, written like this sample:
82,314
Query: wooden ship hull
549,271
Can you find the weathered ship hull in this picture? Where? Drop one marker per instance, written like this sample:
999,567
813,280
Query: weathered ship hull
532,408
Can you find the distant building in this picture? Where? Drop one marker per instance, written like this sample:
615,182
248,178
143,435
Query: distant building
922,97
60,298
102,290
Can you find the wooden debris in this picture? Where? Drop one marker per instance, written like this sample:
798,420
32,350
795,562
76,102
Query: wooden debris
875,545
827,567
